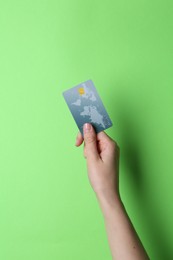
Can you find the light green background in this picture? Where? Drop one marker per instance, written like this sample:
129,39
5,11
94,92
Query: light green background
48,210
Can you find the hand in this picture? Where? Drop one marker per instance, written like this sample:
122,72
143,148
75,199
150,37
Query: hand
102,156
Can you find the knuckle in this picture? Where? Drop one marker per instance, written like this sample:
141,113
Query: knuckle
90,139
114,145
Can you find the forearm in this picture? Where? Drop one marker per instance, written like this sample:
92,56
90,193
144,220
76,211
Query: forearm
102,155
123,239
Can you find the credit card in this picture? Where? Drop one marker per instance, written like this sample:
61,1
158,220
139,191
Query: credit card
86,106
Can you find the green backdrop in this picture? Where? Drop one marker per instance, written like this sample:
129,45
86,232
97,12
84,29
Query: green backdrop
48,210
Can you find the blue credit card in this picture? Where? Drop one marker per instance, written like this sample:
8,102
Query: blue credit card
86,106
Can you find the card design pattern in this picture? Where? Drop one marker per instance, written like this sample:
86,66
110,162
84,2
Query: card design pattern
86,106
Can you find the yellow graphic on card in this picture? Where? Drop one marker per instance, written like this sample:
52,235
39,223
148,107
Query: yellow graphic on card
81,91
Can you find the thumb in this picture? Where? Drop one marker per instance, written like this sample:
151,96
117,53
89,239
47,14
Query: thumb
90,140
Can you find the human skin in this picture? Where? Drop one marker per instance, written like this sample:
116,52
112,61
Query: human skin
102,155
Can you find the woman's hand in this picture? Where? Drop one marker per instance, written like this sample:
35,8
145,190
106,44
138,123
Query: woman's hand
102,156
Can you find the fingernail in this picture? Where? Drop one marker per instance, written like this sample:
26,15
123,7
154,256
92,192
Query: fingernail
87,127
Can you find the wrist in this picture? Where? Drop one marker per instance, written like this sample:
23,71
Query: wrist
108,198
